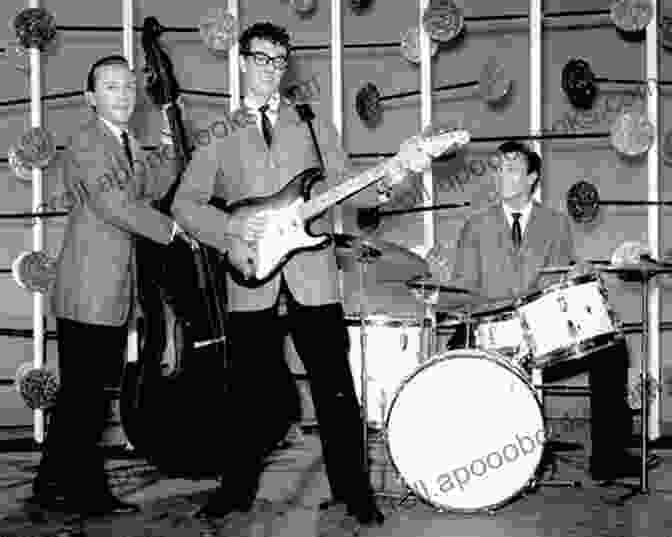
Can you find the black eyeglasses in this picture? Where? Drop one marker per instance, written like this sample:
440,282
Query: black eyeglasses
262,59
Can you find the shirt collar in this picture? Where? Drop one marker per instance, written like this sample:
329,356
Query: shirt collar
254,104
116,129
524,212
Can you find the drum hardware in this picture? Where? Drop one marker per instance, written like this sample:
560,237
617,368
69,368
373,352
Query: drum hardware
645,271
399,262
427,295
583,202
366,251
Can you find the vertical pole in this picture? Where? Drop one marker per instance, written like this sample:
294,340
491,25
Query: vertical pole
429,217
128,43
536,74
234,69
652,107
337,99
38,223
127,32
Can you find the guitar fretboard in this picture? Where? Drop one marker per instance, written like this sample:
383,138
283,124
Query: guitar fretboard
343,191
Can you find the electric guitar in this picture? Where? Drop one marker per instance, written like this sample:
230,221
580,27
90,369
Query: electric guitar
290,211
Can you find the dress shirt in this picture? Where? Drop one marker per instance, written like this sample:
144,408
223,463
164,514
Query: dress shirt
253,105
117,130
524,218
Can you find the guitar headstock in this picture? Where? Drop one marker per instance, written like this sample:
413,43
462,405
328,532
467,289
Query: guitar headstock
437,140
416,153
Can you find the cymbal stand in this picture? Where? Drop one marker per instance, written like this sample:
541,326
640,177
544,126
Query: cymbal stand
643,375
428,334
363,260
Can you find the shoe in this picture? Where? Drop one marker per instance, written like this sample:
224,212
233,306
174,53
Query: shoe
367,513
219,506
626,465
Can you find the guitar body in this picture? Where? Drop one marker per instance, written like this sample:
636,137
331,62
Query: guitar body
255,264
291,210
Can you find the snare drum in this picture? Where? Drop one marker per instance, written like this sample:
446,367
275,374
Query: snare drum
465,431
393,350
569,320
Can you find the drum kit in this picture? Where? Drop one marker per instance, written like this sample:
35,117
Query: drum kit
464,427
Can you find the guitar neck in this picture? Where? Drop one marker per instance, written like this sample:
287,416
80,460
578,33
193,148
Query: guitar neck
348,188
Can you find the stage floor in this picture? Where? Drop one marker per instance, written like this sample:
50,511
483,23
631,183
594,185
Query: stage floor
294,484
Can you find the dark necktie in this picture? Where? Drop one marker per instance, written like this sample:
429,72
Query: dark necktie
127,147
266,126
516,232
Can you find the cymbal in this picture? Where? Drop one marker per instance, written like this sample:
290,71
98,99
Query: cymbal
463,302
430,285
645,266
561,269
368,250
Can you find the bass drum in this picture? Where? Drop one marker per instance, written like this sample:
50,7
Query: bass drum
465,431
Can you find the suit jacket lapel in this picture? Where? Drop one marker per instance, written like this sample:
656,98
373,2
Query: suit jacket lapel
113,147
505,240
534,232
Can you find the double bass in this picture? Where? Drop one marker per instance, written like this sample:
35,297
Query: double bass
177,384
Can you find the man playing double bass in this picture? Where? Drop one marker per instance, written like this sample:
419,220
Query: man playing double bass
93,297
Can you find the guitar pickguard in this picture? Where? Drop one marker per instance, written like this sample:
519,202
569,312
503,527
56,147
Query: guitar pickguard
285,236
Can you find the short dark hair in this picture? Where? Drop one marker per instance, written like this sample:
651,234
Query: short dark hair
265,31
532,157
115,59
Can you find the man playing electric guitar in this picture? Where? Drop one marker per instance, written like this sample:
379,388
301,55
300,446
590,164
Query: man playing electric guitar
259,161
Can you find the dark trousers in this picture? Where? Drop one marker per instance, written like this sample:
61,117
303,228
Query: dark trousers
90,358
611,417
265,397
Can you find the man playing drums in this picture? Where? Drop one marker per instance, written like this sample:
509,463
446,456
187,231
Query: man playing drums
500,254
